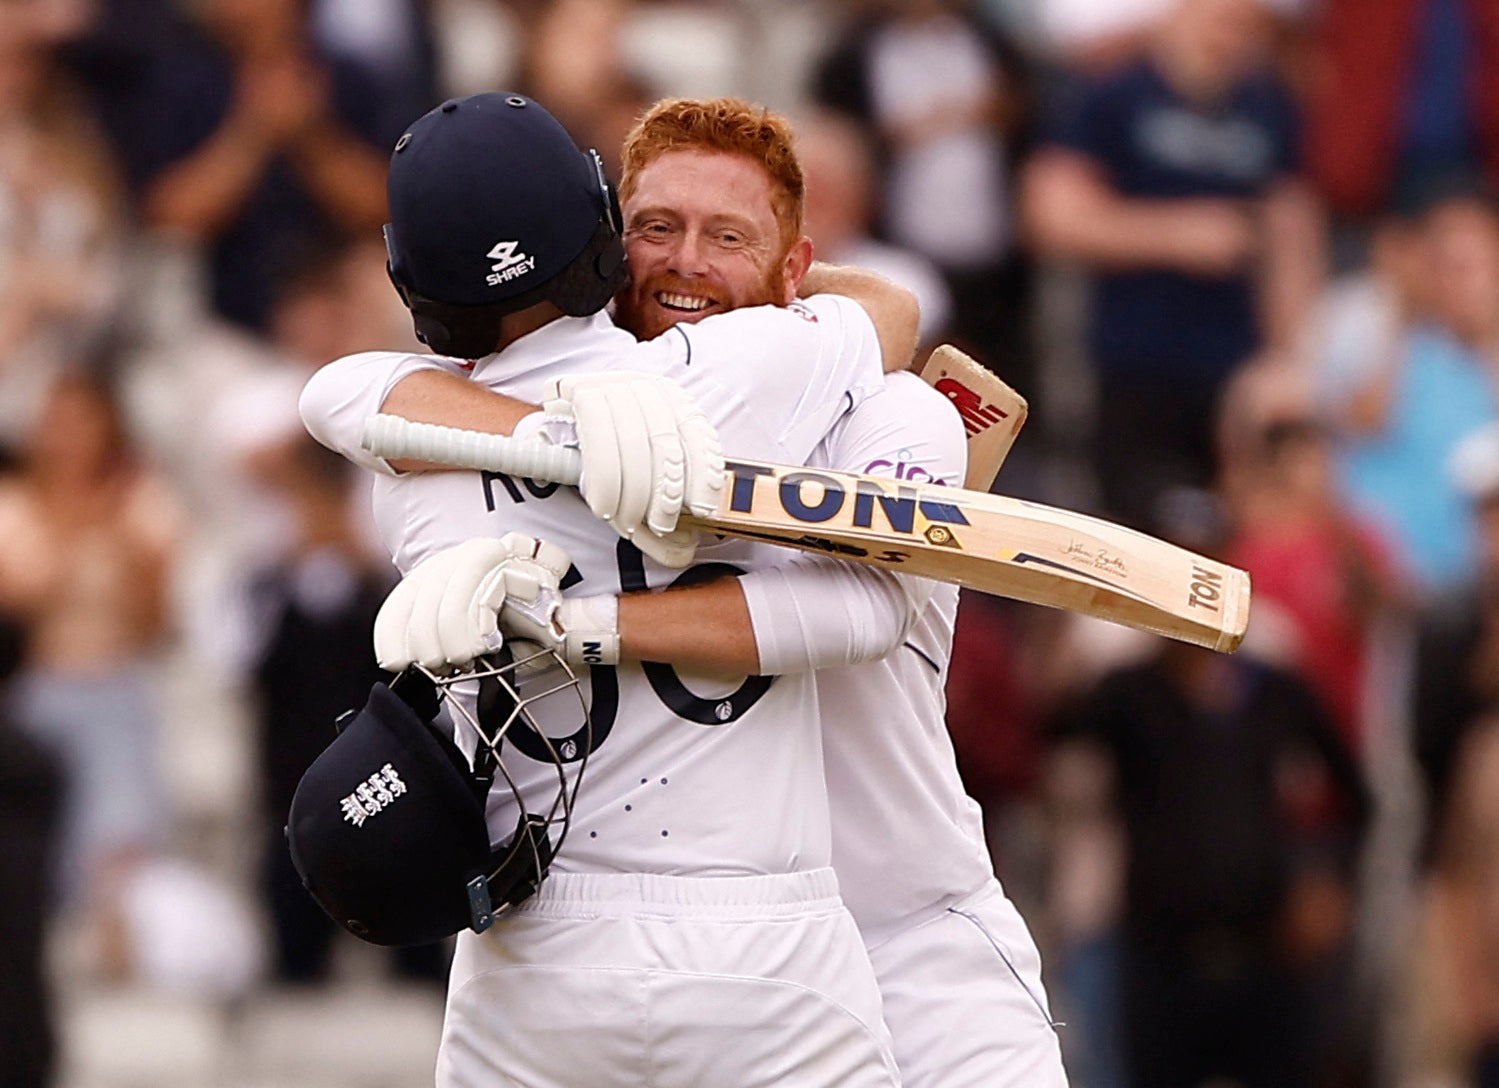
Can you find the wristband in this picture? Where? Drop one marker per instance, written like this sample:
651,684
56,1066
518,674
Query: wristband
590,629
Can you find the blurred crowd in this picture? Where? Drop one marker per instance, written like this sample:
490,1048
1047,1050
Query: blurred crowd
1241,256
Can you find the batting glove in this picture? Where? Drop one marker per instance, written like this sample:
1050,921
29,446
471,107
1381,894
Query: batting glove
463,602
444,613
649,454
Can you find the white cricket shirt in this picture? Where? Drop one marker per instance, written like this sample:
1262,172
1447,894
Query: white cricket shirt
688,775
906,836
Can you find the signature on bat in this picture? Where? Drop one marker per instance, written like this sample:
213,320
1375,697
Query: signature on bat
1100,559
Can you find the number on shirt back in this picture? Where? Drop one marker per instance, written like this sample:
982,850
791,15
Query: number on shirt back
604,679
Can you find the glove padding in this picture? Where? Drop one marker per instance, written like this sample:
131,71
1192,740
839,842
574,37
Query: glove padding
444,613
467,600
649,454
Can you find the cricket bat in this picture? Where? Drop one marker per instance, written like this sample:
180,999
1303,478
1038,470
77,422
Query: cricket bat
992,543
992,412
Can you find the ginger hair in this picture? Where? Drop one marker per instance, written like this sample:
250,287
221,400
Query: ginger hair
729,125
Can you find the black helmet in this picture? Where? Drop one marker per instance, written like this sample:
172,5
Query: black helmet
493,208
387,827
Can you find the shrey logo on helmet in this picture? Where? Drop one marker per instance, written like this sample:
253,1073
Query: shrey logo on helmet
508,263
497,166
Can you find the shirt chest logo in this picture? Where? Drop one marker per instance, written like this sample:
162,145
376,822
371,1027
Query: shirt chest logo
1231,147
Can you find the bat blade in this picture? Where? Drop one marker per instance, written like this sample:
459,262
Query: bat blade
993,543
992,412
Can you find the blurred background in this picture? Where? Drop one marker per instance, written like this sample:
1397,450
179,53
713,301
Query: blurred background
1241,256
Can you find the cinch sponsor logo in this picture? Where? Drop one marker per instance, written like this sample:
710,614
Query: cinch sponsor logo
814,497
977,416
902,469
1207,589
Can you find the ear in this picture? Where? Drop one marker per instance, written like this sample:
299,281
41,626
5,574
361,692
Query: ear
794,268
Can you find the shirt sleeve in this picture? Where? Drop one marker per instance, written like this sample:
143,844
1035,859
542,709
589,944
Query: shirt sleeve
819,612
338,399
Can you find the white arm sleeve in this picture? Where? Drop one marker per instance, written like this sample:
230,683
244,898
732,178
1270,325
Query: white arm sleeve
817,612
338,399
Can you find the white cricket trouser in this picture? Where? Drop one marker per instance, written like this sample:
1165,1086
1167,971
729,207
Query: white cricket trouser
964,1001
652,981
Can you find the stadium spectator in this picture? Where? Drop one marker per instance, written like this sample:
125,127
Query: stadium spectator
1226,919
1172,182
315,607
1402,422
1364,316
249,142
294,619
334,300
574,60
87,537
61,211
839,166
948,100
1321,576
1460,1025
1085,878
393,41
992,712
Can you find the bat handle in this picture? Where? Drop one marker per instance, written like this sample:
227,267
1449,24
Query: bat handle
397,439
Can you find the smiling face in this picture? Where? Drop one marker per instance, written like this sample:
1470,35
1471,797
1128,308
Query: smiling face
703,238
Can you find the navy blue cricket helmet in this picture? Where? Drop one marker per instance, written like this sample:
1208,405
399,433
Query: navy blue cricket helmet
493,208
387,827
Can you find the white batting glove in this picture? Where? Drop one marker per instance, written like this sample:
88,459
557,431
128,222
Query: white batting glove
444,613
649,454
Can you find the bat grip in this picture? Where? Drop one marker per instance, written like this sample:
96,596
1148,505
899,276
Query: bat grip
397,439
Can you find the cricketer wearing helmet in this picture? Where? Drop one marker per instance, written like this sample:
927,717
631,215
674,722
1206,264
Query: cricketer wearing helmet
958,969
690,932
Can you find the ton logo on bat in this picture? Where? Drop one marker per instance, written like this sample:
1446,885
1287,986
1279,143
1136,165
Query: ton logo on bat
1206,589
899,508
